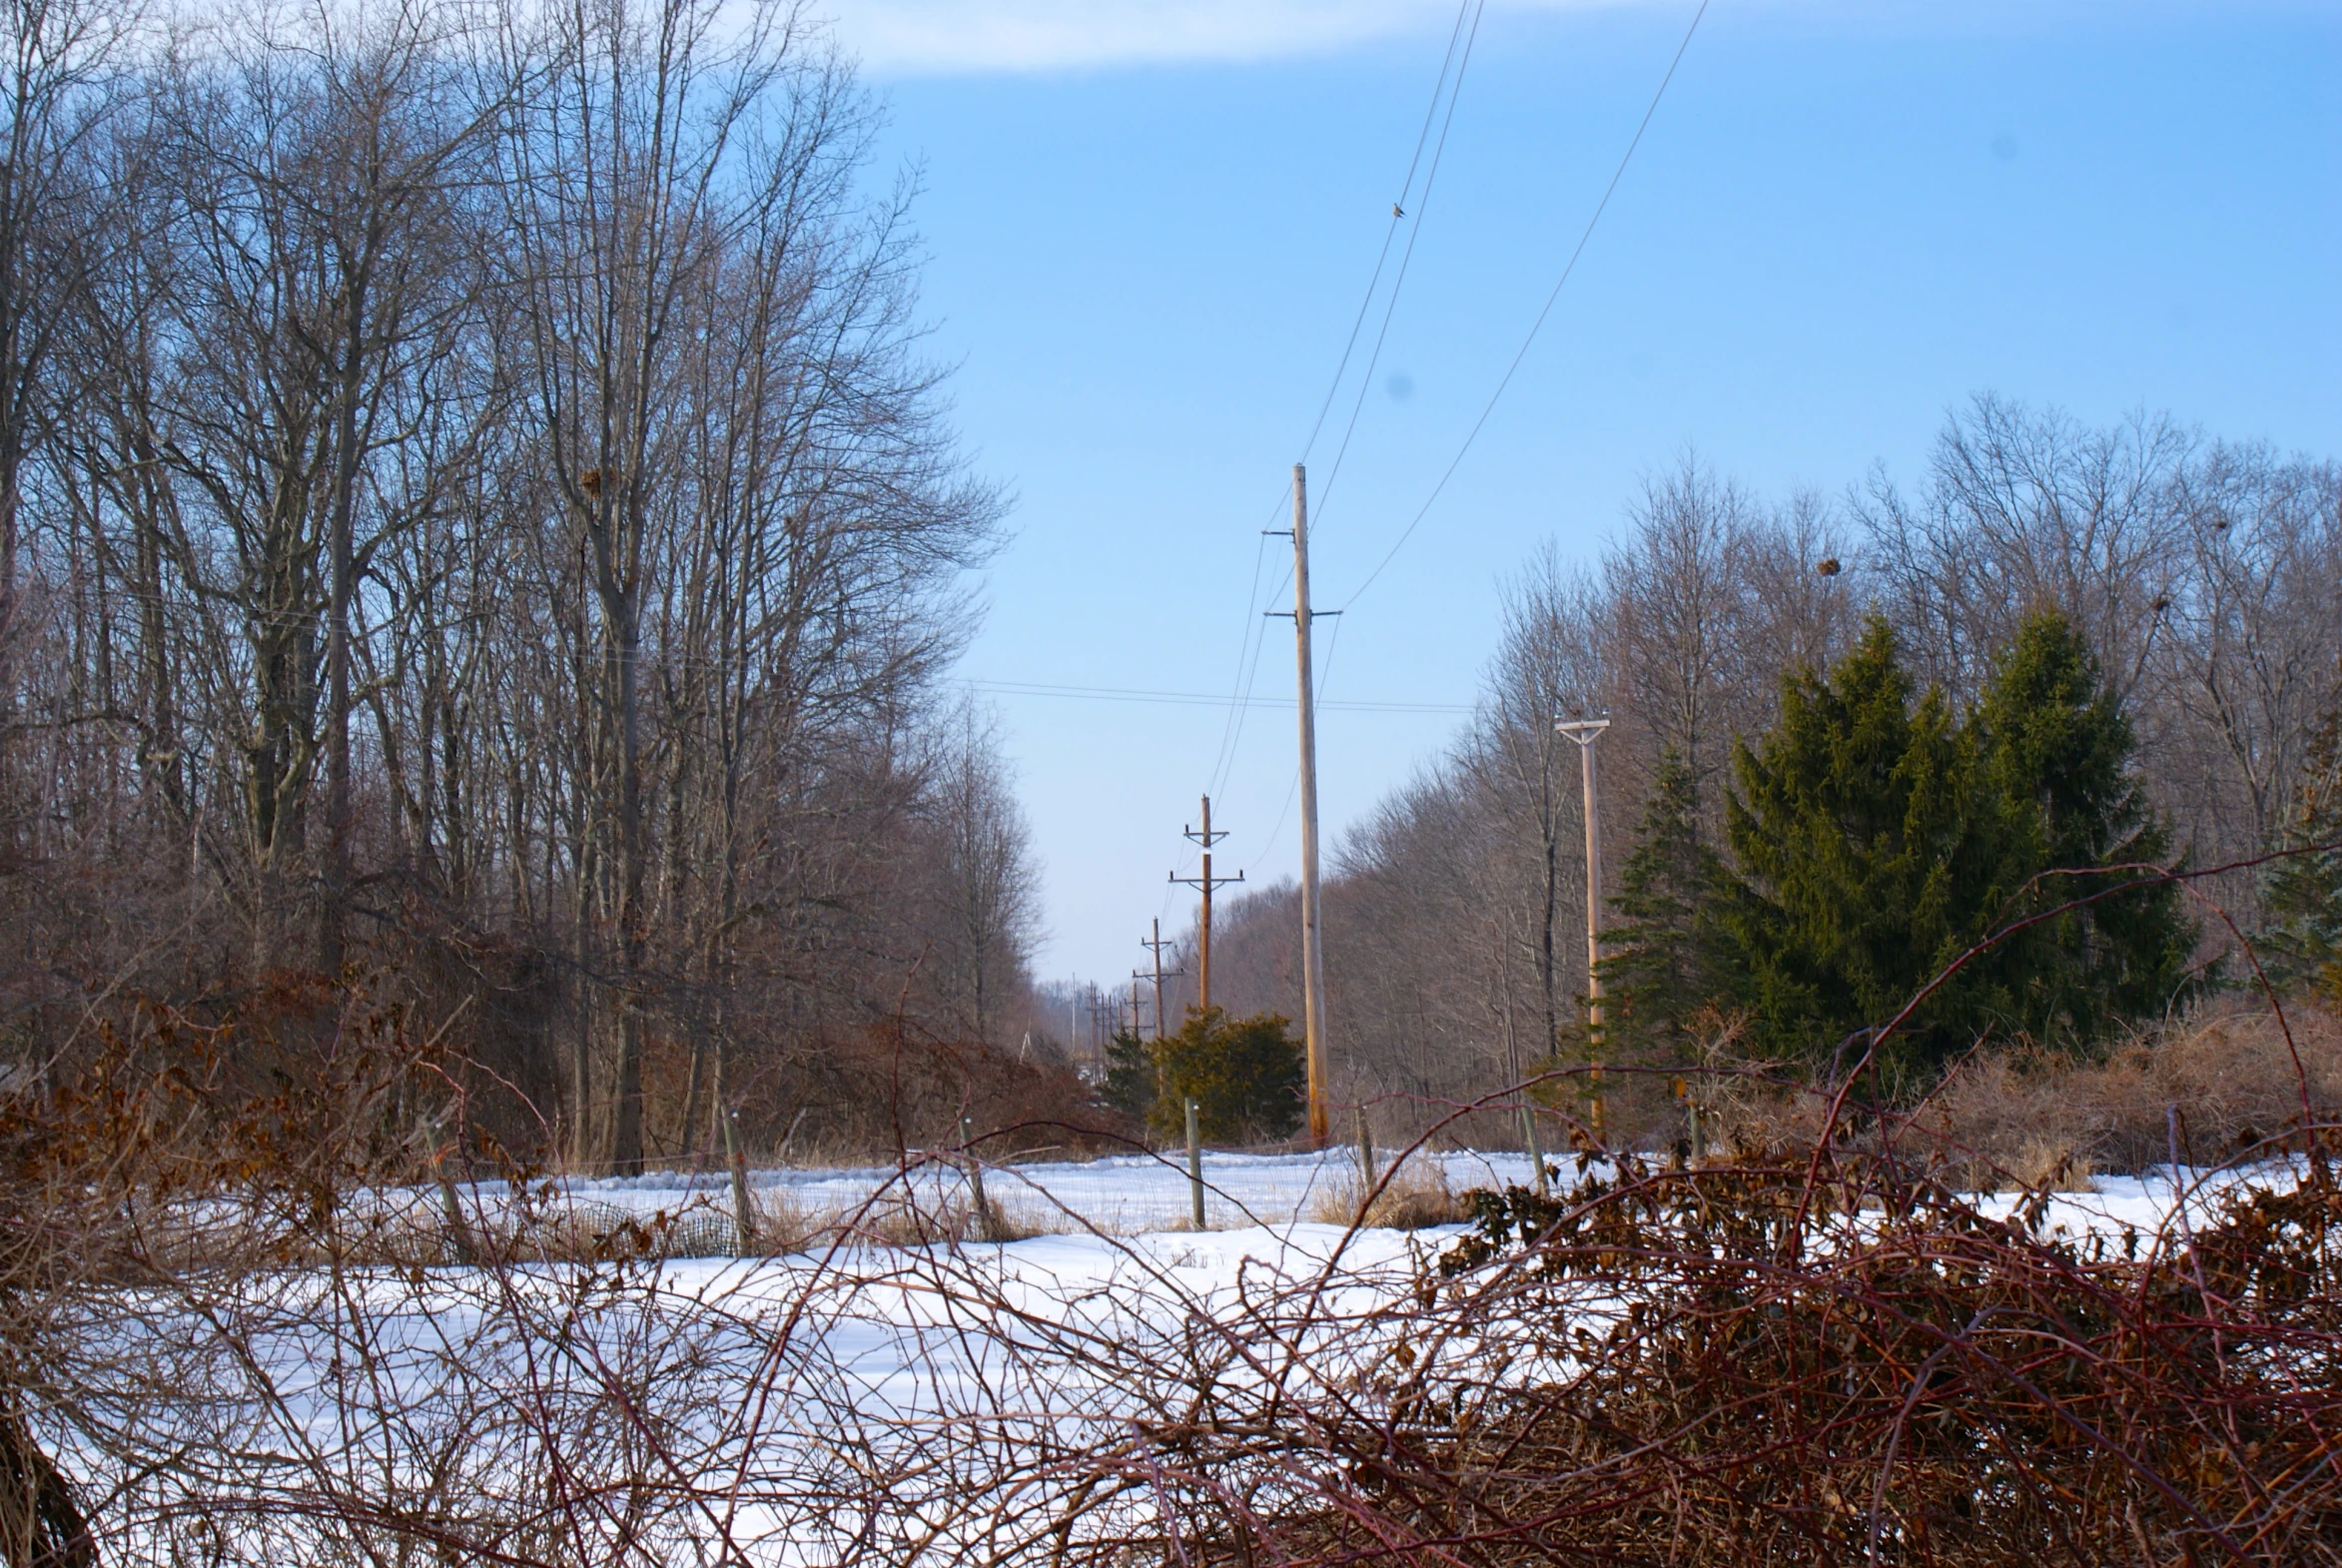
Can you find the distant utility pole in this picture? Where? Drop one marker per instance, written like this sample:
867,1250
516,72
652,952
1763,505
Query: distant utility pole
1155,944
1138,979
1312,941
1585,732
1207,882
1103,1005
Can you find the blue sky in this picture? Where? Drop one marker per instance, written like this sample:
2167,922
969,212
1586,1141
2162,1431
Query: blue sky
1150,226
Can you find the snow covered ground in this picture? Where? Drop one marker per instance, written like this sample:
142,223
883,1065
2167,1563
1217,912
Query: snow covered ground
1126,1195
1134,1195
868,1404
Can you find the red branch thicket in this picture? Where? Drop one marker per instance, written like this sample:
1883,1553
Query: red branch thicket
227,1339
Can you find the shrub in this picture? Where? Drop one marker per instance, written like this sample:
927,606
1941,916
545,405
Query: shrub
1812,1359
1245,1075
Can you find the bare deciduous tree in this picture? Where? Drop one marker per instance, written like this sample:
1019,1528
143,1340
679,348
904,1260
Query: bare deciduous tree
488,516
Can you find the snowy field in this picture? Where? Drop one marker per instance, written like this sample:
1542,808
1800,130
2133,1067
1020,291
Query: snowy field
1129,1195
854,1402
1117,1259
1269,1197
1123,1264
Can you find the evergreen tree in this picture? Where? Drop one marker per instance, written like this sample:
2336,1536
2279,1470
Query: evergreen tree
1874,840
1245,1075
2053,751
1656,974
1130,1075
1858,868
2304,891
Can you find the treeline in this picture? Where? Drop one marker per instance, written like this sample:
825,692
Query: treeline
475,521
1846,733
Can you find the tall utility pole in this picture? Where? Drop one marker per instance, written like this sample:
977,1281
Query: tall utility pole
1312,942
1585,732
1155,944
1207,882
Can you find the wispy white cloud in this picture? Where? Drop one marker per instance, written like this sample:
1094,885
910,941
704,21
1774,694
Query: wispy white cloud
938,37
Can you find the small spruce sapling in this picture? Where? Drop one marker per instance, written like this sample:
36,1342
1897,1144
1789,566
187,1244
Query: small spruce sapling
1657,972
1130,1075
2303,892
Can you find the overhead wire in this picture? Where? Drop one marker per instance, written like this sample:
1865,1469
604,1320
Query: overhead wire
1397,215
1016,688
1406,259
1254,642
1457,56
1538,325
1324,675
1251,676
1246,657
1513,369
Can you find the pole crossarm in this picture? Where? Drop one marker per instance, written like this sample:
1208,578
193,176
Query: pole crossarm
1584,732
1207,882
1155,944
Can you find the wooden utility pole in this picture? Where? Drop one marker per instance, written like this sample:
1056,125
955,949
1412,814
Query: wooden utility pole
1155,944
1137,1019
1585,732
1312,942
1207,882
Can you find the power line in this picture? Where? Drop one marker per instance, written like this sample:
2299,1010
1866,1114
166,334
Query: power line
1199,699
1251,644
1390,307
1333,646
1397,216
1250,678
1248,660
1535,327
1204,838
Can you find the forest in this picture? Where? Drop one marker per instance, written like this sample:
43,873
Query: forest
478,536
1849,734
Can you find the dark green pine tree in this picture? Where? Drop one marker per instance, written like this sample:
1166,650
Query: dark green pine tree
1858,868
1245,1076
2303,892
1657,974
2053,751
1874,843
1130,1075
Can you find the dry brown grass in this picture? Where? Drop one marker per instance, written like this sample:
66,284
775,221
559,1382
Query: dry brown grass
2218,1084
1411,1197
409,1230
900,1221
